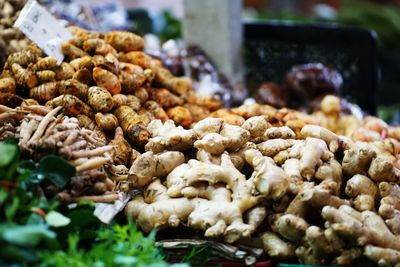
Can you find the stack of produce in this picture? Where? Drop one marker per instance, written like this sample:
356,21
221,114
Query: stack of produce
109,91
322,197
11,39
125,122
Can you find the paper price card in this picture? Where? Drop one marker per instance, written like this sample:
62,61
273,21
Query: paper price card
43,28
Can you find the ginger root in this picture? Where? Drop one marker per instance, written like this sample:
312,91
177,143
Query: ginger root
149,166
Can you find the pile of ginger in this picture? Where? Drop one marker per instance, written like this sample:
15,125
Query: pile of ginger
323,195
314,196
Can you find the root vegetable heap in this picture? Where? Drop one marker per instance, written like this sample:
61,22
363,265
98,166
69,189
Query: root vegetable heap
41,131
106,77
323,198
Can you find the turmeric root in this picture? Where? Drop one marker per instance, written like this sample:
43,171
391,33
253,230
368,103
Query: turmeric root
122,149
72,105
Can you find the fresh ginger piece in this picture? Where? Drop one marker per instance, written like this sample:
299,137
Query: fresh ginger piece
212,143
208,125
176,180
319,197
256,126
382,256
357,160
236,135
230,138
272,147
363,190
269,180
391,216
107,122
220,216
382,169
298,206
255,216
331,139
311,154
148,166
276,247
348,257
168,137
330,171
318,242
225,173
389,190
159,214
283,132
292,169
366,227
291,227
306,256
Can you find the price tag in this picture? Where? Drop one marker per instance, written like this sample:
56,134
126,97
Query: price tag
43,28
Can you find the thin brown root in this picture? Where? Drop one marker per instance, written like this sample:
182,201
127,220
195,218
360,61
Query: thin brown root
110,198
92,163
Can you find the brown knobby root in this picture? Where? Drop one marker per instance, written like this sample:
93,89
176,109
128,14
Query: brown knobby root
107,198
269,180
283,132
168,137
272,147
331,139
92,163
311,154
256,126
383,256
357,159
277,247
330,173
363,190
365,227
389,207
149,166
162,212
382,169
229,138
290,226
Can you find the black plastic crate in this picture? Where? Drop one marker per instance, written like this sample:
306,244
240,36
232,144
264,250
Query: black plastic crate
273,47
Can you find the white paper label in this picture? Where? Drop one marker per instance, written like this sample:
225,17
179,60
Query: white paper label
43,28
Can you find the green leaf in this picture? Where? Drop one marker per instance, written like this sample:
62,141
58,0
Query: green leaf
56,219
3,196
7,153
12,209
27,235
57,170
13,253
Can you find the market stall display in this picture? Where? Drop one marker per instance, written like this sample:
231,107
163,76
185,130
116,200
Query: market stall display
317,188
11,40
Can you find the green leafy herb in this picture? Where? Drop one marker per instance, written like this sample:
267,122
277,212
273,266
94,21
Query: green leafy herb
57,170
